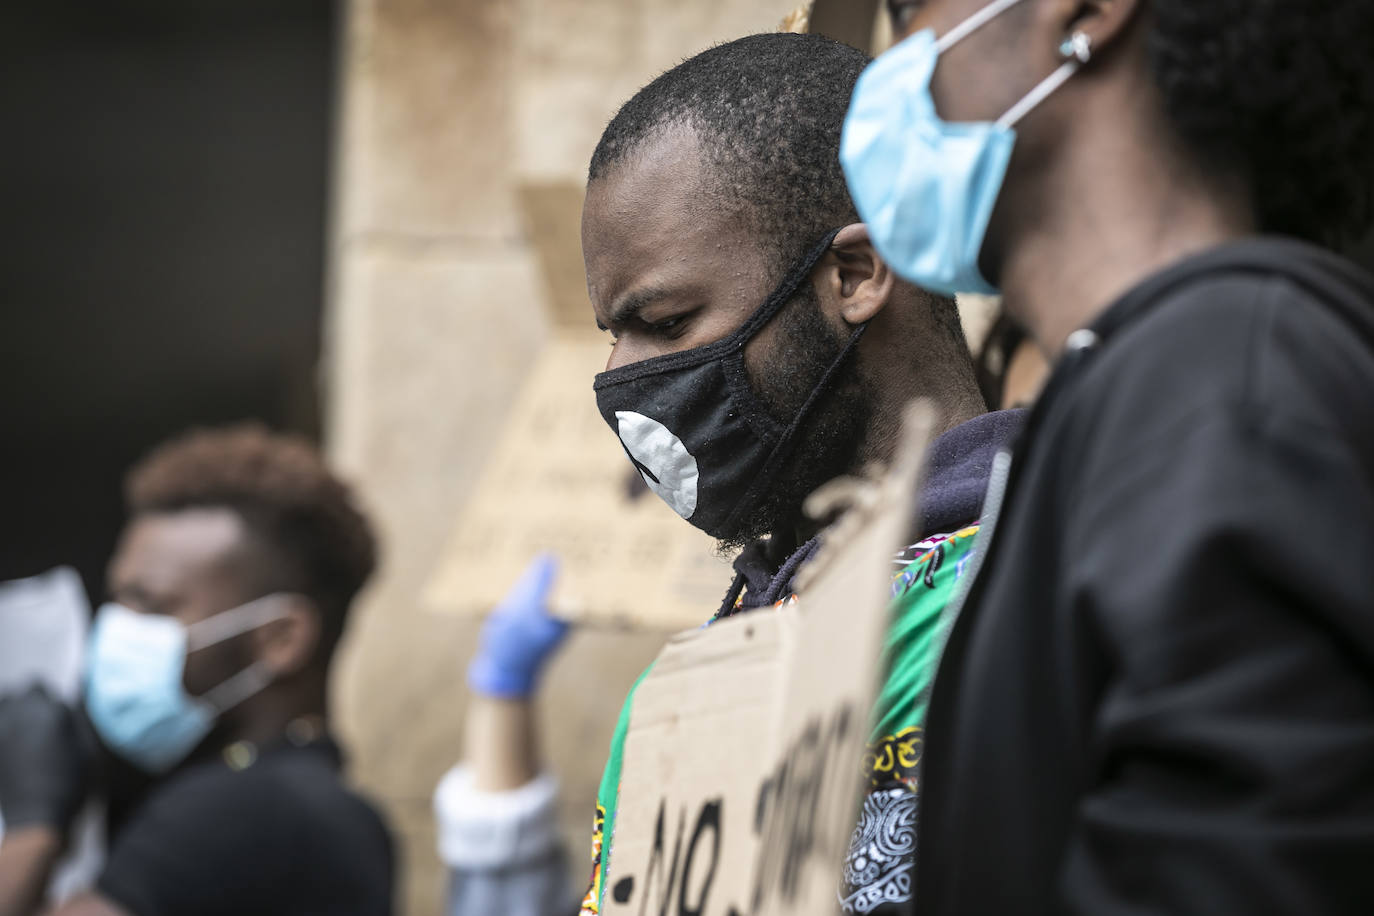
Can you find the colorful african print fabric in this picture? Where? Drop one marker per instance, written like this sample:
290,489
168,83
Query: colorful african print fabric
607,795
878,868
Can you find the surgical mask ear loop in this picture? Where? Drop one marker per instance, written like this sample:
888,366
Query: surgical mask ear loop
225,696
1079,51
226,625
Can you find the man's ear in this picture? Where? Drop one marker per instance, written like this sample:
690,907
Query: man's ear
289,644
1103,22
859,283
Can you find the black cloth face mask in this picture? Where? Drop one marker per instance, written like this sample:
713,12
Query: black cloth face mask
695,428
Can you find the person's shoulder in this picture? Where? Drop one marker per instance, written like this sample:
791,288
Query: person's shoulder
196,789
1213,376
287,786
348,838
308,783
282,819
1255,340
196,822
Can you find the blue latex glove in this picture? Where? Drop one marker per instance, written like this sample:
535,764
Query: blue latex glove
519,636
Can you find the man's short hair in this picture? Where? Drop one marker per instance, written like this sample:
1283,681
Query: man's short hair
308,536
768,110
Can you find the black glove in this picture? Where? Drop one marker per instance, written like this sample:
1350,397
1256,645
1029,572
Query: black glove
42,761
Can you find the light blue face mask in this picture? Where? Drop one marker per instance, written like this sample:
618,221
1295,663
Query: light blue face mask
926,187
134,694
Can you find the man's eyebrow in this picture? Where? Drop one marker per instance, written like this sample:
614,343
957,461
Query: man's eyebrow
630,304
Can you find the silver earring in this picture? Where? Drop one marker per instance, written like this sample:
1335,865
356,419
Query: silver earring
1078,46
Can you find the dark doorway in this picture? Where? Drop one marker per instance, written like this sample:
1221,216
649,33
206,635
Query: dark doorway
161,244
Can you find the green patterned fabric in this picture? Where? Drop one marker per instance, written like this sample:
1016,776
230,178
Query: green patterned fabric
920,592
607,794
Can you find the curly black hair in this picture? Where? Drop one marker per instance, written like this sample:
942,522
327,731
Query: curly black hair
309,534
1284,89
768,110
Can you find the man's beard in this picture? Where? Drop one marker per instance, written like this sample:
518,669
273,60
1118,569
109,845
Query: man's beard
829,441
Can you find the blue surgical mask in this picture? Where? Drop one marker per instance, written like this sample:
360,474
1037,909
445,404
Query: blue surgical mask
926,187
134,693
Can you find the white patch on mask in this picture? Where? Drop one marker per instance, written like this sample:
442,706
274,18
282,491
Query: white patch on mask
655,447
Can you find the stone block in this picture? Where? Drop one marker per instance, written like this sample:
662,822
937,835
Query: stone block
425,135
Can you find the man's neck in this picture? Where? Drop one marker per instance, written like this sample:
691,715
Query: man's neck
263,719
1094,232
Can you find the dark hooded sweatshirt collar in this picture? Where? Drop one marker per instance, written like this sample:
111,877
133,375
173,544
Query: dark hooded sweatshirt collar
959,464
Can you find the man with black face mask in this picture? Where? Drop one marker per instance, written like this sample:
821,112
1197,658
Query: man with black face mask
761,347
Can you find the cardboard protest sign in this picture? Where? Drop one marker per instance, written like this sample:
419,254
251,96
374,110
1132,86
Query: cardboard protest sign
558,480
741,774
700,729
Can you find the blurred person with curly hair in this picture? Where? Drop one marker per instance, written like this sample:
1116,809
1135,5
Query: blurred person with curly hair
1157,695
207,669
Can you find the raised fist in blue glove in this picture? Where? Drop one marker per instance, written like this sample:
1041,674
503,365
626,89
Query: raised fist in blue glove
519,636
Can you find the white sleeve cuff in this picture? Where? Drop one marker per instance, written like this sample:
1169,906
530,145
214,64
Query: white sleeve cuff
494,829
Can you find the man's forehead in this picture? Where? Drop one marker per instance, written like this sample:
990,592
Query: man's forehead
656,191
653,221
167,551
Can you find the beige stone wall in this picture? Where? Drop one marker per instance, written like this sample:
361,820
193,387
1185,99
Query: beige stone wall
437,305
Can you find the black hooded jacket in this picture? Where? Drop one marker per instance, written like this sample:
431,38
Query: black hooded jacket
1159,695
